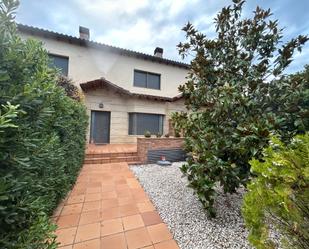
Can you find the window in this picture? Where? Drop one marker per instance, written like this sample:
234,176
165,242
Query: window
60,62
141,122
147,80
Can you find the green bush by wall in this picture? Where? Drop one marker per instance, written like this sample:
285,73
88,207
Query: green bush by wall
42,139
278,198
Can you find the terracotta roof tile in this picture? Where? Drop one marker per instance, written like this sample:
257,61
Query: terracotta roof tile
102,82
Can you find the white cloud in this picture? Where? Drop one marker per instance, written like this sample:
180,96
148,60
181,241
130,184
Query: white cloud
144,24
112,7
138,35
173,7
63,25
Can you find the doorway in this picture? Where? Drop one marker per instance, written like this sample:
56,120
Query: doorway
100,127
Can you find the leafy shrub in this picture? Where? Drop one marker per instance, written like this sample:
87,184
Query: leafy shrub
8,112
237,94
147,134
70,89
279,195
179,120
177,134
42,139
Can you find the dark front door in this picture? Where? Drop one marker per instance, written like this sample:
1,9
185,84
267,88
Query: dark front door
100,127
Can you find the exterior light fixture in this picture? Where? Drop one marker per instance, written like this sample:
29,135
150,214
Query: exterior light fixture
101,105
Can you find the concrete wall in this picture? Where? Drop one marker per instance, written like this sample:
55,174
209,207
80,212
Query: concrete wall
87,64
121,105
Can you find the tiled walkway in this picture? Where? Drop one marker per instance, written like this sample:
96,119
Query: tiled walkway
108,209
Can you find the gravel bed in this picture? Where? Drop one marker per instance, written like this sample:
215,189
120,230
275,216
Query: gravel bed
184,214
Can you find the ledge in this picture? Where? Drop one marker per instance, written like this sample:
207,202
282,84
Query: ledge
144,144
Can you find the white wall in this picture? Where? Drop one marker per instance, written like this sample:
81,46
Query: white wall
87,64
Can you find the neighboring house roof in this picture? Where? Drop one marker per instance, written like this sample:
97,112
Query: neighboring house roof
82,42
102,82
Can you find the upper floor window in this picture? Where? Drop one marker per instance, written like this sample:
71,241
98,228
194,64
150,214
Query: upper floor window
147,80
60,62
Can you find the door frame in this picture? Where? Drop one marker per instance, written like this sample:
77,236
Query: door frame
92,124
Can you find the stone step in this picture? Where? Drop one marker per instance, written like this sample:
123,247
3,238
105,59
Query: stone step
110,155
135,163
111,160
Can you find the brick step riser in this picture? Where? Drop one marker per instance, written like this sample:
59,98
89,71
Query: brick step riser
135,163
112,155
110,160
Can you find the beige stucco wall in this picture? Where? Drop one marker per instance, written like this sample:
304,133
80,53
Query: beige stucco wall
121,105
87,64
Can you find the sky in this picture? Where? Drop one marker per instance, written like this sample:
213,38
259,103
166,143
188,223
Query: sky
142,25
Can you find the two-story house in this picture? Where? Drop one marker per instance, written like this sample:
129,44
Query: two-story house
126,92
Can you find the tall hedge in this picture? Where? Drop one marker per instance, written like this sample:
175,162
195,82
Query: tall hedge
42,139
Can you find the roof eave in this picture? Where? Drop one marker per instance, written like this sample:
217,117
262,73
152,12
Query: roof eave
102,82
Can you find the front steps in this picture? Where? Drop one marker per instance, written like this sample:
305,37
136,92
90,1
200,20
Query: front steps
113,157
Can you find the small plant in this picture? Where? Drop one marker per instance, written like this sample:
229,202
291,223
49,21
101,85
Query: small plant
147,134
278,197
167,135
159,134
177,134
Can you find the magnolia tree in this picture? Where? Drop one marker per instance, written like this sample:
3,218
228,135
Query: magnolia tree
237,94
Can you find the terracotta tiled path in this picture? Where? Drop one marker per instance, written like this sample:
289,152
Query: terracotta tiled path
108,209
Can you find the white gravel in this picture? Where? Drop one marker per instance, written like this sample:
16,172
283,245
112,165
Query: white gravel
184,214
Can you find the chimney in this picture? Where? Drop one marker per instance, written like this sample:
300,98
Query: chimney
158,52
84,33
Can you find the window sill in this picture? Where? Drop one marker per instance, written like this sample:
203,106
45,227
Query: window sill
148,88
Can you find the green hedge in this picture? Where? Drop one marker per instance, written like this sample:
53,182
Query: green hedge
279,196
42,139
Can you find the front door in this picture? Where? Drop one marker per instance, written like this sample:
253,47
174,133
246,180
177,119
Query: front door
100,127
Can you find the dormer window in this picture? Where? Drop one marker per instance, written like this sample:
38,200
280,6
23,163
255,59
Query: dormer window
147,80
